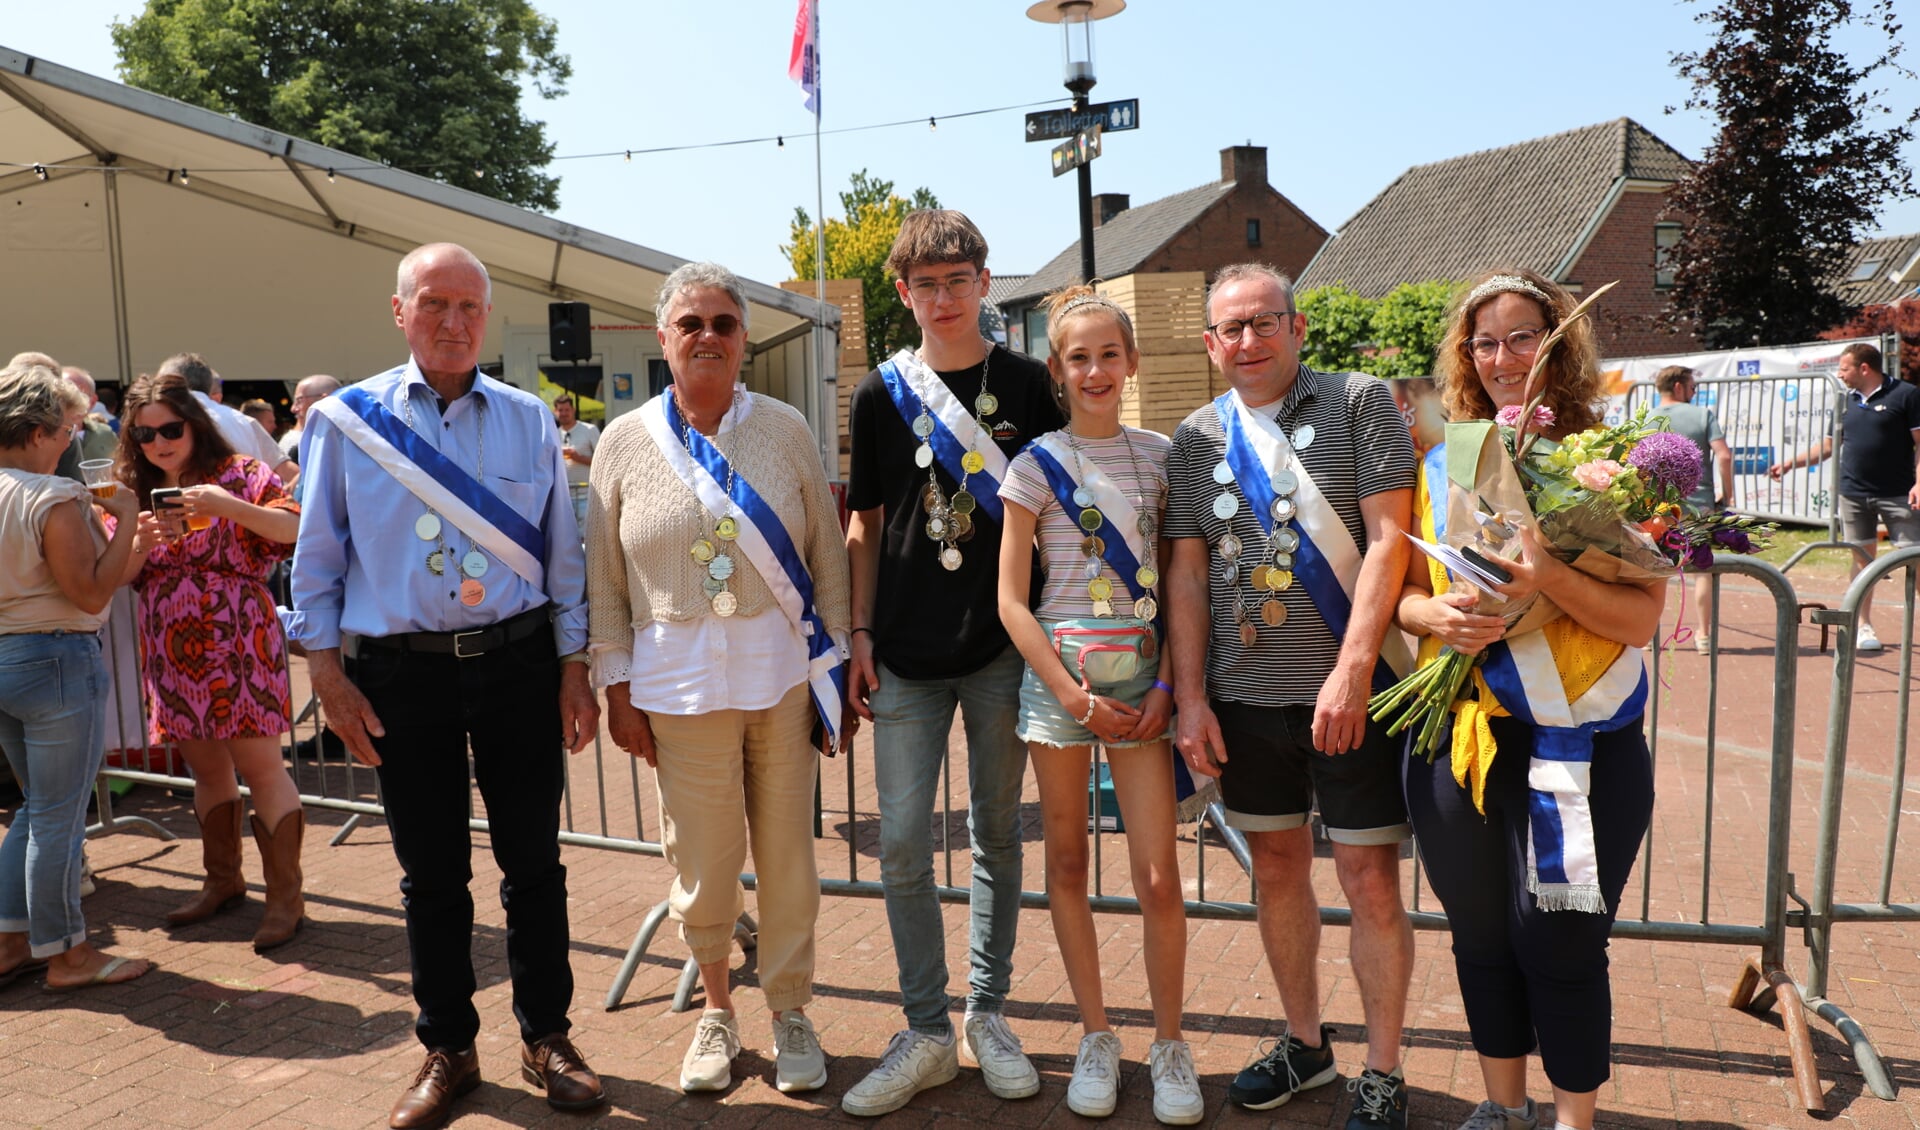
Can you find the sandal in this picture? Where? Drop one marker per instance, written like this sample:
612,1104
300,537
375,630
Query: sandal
105,975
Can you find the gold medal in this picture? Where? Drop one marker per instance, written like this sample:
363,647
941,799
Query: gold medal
1146,577
472,592
1247,634
1259,576
1099,588
973,462
702,551
1273,613
1279,580
962,526
725,604
986,403
1093,546
727,528
1090,520
962,502
932,499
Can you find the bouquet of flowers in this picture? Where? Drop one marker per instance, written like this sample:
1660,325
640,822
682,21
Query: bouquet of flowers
1609,501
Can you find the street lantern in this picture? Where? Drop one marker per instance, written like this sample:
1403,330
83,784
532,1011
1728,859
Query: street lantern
1076,18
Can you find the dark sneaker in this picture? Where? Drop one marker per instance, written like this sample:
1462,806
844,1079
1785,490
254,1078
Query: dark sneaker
1378,1100
1285,1068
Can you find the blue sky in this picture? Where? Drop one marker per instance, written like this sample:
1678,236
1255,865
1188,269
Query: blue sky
1345,96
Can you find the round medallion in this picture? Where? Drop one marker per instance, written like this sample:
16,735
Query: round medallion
1231,574
1230,547
1145,524
427,526
720,568
1095,546
961,503
1282,509
962,526
727,528
1222,473
1283,560
472,592
938,528
1146,577
1248,636
1273,613
1082,497
1303,436
702,551
474,564
1099,588
923,456
1102,608
1286,541
1225,506
1280,580
1286,482
932,499
1149,643
1093,567
1146,608
437,563
986,404
973,462
1090,520
923,425
950,559
1259,576
712,586
725,604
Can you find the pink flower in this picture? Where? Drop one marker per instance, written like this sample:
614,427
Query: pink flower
1598,475
1509,417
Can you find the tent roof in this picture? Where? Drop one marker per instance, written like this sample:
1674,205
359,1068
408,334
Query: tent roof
53,115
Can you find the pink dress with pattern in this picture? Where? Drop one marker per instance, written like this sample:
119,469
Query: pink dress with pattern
214,655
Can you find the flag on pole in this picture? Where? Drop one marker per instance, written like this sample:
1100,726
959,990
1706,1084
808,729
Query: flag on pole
803,66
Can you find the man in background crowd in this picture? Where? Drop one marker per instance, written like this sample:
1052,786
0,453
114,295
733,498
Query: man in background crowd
242,432
306,394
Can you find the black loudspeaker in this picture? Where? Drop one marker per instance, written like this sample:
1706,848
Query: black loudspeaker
569,331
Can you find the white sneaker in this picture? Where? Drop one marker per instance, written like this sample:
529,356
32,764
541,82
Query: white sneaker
1176,1089
912,1062
708,1065
1865,639
799,1063
86,875
1003,1063
1094,1090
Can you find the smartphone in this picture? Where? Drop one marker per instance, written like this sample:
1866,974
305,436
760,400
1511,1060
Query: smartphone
1490,568
166,507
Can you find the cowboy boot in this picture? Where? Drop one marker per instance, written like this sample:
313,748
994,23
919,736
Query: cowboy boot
280,856
220,852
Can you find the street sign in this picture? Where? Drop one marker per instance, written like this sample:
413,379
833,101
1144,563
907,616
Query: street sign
1077,151
1049,125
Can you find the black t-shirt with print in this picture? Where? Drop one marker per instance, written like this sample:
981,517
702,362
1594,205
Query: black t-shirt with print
929,623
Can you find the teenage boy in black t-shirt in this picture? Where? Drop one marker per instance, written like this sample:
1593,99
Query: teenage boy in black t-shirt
927,637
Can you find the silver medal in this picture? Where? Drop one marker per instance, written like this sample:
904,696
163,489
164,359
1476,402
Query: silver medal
427,526
1225,506
720,568
1230,547
1286,541
1231,574
1282,560
1146,608
923,425
1094,567
1222,473
474,564
712,585
923,456
1282,509
1286,482
1303,436
1082,497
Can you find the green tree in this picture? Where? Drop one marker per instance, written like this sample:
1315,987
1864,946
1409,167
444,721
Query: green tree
431,86
857,247
1795,175
1407,326
1339,325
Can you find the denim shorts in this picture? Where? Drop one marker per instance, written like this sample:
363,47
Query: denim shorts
1044,721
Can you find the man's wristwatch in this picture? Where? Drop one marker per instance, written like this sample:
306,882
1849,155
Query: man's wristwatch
577,657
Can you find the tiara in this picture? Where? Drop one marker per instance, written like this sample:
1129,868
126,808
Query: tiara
1079,300
1506,284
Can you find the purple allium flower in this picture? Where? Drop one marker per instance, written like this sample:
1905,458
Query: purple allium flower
1670,462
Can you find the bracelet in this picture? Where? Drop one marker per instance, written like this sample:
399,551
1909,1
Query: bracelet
857,631
1092,702
1162,685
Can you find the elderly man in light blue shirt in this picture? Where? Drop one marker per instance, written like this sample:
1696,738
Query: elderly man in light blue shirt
438,534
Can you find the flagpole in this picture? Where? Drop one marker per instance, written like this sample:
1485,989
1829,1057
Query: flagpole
829,390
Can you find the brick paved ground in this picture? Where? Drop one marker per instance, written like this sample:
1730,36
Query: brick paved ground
318,1033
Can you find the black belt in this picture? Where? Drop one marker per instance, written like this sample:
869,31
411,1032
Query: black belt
466,645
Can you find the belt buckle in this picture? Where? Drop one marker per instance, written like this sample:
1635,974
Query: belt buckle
458,653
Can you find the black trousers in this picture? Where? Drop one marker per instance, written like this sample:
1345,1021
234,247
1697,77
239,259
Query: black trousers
1528,975
507,704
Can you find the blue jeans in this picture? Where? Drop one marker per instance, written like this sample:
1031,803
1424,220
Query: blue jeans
52,714
912,718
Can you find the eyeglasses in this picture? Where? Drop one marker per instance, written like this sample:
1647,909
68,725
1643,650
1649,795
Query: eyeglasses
144,435
1263,325
1520,343
724,325
959,286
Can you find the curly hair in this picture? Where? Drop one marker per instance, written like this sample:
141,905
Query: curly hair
1572,373
210,449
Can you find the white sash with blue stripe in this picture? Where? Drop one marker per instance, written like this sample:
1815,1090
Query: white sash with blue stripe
763,541
445,486
955,430
1120,527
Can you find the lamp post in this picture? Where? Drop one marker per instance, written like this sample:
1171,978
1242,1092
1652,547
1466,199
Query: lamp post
1076,18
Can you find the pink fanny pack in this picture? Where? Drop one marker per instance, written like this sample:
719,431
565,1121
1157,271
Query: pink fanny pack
1104,652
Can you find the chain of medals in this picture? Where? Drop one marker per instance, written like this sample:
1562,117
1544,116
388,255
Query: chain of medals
1269,572
714,553
950,520
430,527
1099,588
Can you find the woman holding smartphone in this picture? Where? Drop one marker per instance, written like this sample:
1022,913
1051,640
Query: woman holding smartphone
213,652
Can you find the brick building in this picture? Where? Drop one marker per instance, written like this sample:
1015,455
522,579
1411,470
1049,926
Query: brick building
1238,217
1584,208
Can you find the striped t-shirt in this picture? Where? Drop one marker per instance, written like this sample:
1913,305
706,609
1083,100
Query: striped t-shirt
1143,479
1361,447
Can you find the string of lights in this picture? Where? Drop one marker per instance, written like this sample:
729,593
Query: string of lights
45,169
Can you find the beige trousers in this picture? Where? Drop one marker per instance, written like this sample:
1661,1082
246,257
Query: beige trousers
727,779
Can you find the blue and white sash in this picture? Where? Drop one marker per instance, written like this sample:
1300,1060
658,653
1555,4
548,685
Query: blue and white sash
1327,560
438,481
956,431
1119,527
1563,869
763,541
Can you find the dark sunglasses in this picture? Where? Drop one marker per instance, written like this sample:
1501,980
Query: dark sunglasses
144,435
724,325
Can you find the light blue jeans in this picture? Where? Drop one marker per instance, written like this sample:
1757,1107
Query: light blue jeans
52,712
912,718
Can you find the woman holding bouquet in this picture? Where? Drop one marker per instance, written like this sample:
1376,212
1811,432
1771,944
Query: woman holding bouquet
1530,829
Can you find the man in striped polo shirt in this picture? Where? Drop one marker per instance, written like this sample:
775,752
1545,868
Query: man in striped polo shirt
1275,649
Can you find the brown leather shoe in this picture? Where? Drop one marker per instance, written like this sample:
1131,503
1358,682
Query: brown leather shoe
444,1077
555,1065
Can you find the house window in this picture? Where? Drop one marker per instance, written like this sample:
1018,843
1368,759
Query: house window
1253,233
1665,238
1866,270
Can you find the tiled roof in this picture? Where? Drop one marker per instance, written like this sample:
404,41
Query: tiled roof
1123,243
1000,286
1525,204
1891,259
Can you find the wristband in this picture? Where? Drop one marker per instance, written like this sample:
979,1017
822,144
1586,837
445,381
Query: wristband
857,631
1092,702
1161,685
